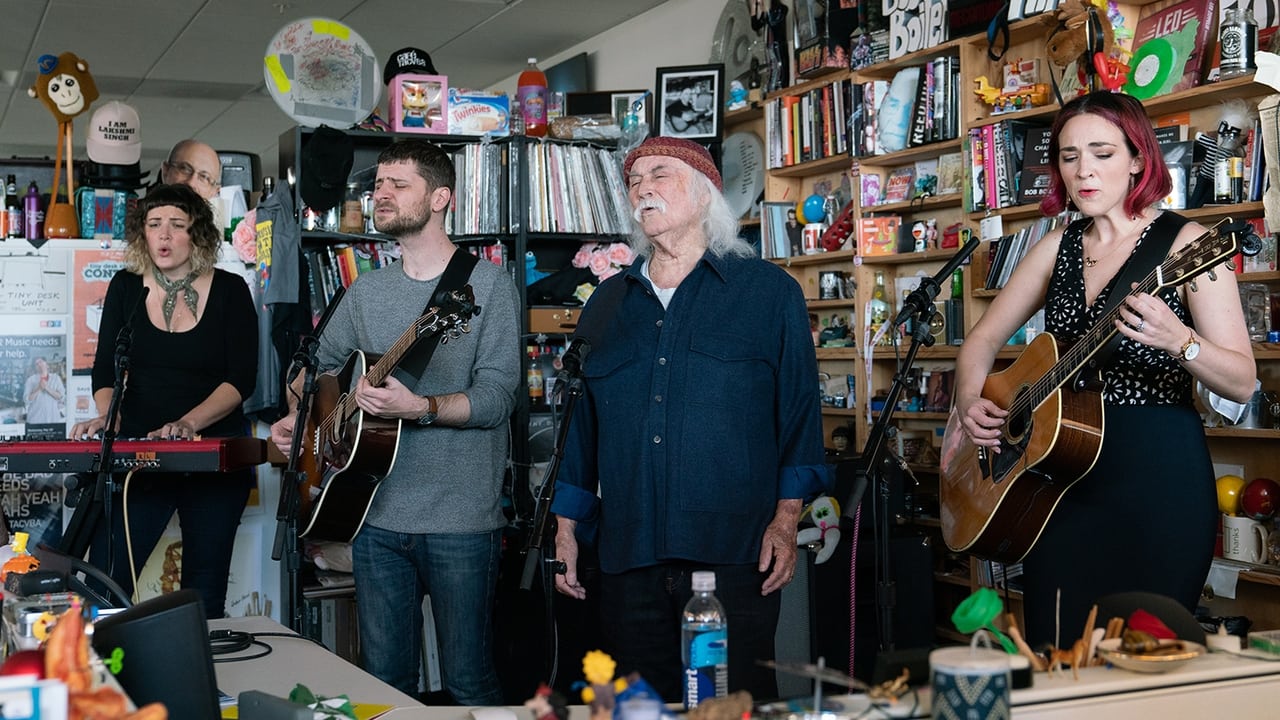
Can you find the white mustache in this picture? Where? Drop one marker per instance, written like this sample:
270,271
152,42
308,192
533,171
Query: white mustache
648,204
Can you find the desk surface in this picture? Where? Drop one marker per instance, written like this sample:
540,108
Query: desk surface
298,660
1106,692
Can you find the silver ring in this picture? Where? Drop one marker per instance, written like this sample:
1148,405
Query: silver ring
1141,322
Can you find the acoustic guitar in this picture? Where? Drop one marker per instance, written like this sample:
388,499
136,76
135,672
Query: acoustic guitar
346,452
995,505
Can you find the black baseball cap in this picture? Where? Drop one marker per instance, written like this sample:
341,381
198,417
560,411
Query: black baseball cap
326,163
408,60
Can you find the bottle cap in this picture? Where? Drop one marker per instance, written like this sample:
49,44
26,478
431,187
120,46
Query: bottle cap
533,61
704,581
1273,336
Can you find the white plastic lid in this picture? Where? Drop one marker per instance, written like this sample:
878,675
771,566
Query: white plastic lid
704,581
533,61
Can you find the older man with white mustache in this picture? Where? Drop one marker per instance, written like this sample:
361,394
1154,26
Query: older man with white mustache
699,436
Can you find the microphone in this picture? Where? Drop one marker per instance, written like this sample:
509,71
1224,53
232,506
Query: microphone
124,338
571,361
922,297
305,348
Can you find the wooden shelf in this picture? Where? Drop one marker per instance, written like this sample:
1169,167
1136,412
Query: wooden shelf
937,352
753,111
950,579
839,353
815,304
844,412
936,202
1261,276
887,69
820,78
904,258
816,258
813,167
911,154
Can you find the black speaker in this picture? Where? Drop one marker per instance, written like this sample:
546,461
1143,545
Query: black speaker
241,168
167,658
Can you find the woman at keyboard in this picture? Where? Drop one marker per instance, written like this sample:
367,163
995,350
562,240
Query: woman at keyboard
190,333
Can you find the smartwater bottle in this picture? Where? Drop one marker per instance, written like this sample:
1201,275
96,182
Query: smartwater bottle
705,643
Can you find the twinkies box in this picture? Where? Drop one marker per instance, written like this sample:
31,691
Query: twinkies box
418,103
479,113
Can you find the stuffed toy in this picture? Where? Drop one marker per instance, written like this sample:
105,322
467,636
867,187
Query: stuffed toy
1083,35
65,86
825,515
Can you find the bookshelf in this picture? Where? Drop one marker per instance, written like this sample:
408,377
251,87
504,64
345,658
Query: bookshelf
791,182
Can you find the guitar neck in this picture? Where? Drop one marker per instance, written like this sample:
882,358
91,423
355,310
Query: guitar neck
390,360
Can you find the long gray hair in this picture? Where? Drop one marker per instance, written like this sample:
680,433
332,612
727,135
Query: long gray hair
719,224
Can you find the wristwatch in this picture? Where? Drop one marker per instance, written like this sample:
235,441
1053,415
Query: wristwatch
1190,349
431,413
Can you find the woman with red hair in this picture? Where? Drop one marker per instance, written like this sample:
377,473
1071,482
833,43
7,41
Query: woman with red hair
1143,517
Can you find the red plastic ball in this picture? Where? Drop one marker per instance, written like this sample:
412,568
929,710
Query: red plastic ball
1260,498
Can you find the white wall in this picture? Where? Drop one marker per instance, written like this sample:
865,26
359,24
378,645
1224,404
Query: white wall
678,32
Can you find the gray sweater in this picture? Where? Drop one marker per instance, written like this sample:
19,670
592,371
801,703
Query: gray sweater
445,479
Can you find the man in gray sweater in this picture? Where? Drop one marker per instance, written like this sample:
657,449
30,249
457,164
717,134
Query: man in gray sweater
435,524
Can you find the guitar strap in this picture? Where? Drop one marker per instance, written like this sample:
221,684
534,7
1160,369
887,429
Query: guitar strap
1155,246
454,277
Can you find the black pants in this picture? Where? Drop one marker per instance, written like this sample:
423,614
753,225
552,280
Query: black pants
640,621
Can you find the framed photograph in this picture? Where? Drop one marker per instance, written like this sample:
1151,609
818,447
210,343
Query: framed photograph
780,235
691,102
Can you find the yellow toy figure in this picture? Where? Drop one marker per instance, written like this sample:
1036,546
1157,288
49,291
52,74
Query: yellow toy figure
825,514
601,688
67,89
420,104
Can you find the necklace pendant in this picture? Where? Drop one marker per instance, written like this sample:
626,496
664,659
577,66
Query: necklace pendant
1089,262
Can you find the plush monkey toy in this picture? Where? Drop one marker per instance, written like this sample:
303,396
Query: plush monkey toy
67,89
64,86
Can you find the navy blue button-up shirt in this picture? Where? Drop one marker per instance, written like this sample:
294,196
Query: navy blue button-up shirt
696,419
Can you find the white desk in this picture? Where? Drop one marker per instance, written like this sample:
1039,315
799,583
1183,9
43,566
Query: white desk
298,660
1204,688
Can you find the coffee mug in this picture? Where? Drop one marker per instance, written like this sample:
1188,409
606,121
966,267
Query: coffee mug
970,682
1243,539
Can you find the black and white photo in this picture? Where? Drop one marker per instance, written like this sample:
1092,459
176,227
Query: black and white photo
691,99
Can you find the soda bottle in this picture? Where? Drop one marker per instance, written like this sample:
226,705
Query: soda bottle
531,92
32,215
704,643
12,222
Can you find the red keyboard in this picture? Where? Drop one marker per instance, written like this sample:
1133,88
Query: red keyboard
77,456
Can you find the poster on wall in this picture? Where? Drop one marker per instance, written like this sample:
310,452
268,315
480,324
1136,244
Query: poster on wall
32,502
92,270
33,377
162,572
34,281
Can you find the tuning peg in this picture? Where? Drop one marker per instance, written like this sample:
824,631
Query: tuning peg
1231,265
1213,276
1193,287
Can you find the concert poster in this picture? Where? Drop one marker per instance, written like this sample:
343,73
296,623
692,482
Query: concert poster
92,270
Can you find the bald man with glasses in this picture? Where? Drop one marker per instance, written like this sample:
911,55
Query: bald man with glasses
195,164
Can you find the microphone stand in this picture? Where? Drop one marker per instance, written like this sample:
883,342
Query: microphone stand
79,533
918,308
286,539
570,384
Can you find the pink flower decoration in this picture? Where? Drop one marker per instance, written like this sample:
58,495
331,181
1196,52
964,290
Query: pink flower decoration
621,254
608,273
583,256
244,238
599,264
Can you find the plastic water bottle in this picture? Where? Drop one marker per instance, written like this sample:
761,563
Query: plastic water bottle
531,91
705,643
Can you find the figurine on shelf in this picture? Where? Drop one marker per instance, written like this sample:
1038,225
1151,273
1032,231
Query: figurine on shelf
600,690
775,19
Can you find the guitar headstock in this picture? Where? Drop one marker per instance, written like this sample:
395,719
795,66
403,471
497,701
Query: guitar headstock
1219,243
452,317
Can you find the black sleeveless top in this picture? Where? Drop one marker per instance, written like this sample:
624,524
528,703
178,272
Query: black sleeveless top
1136,374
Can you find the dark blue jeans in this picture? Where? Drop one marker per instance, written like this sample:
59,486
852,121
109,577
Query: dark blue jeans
640,619
393,572
209,506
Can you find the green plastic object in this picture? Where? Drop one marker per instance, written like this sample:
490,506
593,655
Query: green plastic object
978,611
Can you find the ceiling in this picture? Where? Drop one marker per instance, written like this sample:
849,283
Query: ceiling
194,68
